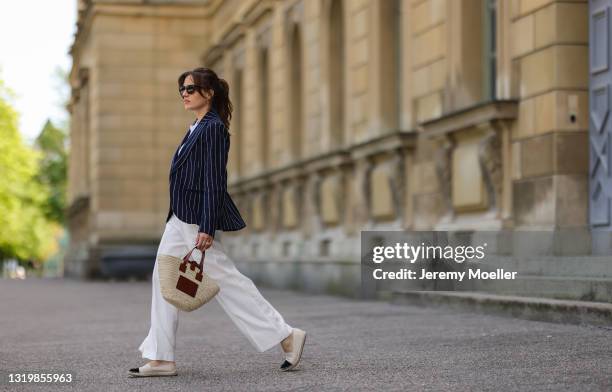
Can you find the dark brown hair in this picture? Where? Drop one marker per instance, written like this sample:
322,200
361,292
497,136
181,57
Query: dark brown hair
207,79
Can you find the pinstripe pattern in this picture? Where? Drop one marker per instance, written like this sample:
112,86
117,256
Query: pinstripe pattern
198,179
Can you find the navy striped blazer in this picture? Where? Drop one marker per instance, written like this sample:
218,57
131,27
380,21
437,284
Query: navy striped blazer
198,179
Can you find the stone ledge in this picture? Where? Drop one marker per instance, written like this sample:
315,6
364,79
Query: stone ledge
530,308
471,116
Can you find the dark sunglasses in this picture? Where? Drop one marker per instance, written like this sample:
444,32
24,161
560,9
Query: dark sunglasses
191,88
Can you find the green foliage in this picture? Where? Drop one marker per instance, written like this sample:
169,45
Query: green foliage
25,233
53,169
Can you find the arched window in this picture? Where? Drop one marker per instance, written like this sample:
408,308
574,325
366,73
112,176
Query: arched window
264,100
386,64
295,81
336,55
237,133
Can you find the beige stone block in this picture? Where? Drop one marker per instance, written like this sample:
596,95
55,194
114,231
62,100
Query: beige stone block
571,153
258,213
109,219
126,40
420,81
359,110
360,22
106,23
380,191
356,5
109,187
139,24
135,74
545,109
572,22
125,106
169,74
290,213
360,79
359,133
128,154
312,9
429,46
132,202
572,200
124,89
178,25
572,110
126,137
106,203
534,202
428,209
438,75
330,189
556,110
358,52
525,124
311,33
545,26
429,106
515,8
523,37
537,72
571,66
516,161
420,19
564,66
425,177
527,6
133,170
177,58
468,189
537,157
429,78
427,14
128,58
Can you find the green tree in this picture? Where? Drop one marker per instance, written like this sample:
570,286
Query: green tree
25,233
53,167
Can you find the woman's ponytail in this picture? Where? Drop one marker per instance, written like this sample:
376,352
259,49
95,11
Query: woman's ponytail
207,79
222,103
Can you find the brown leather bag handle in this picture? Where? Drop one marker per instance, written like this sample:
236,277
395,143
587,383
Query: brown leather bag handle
186,260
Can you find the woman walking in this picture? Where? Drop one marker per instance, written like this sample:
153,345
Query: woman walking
200,211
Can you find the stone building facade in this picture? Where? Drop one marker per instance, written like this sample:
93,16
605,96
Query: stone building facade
350,115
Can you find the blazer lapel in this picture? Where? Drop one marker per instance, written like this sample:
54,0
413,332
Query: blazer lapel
175,156
191,139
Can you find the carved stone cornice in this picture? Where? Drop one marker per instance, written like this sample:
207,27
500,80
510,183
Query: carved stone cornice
489,111
400,140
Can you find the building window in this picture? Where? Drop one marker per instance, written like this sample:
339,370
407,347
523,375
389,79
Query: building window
336,56
489,50
237,120
264,80
296,78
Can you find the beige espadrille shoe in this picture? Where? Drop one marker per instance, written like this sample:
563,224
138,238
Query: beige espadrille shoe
292,358
166,369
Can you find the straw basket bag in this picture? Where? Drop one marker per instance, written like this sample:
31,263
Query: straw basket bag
185,288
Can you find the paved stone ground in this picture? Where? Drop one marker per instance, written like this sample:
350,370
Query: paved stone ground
94,330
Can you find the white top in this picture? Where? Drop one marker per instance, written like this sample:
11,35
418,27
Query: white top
191,128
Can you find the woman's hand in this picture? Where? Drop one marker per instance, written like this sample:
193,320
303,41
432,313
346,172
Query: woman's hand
203,241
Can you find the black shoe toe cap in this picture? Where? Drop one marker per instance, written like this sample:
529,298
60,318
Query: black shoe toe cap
135,370
286,364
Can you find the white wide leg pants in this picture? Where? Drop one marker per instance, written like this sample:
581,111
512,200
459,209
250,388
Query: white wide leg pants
254,316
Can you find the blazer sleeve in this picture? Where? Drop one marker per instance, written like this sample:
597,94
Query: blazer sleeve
214,180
